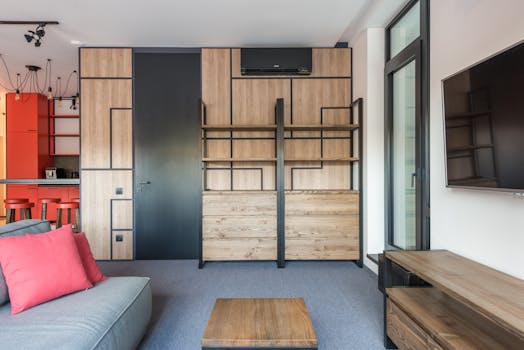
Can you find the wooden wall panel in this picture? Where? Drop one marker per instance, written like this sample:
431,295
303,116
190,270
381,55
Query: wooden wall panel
122,212
239,225
322,225
98,97
216,85
122,138
106,63
122,249
254,100
97,190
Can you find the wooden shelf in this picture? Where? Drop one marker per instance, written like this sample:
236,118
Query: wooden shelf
324,159
467,115
323,127
227,127
469,147
450,323
64,116
239,160
64,135
491,293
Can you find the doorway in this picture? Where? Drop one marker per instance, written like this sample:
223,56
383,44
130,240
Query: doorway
167,154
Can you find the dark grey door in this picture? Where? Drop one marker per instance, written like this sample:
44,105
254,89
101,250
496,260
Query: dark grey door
167,154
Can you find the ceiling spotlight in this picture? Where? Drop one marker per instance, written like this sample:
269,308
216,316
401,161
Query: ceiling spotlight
36,35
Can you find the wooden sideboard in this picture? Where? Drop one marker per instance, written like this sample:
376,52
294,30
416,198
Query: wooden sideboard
465,305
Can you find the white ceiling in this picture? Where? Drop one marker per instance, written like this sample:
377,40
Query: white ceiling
182,23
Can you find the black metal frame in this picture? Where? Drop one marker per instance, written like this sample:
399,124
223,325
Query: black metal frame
280,172
417,51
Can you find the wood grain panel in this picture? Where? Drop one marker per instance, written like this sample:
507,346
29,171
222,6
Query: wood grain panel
240,249
98,97
403,331
326,62
122,215
216,85
331,62
260,323
239,225
254,100
122,139
122,250
106,63
322,225
224,227
309,95
98,188
245,203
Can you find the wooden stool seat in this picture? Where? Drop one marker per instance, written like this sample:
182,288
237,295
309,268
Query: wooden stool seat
45,202
25,210
69,206
15,200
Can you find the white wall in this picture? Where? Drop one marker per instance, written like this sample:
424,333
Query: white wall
485,226
368,83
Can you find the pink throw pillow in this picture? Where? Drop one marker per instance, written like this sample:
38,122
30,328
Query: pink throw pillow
42,267
92,270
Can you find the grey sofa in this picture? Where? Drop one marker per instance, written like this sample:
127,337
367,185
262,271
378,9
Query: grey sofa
112,315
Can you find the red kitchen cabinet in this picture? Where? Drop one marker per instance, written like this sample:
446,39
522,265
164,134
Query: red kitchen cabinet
27,136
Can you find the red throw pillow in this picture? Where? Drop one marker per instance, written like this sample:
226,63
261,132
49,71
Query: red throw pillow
42,267
92,271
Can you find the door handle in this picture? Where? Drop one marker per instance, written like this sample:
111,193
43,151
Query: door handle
141,184
413,177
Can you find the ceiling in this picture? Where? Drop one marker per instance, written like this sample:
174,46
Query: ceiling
179,23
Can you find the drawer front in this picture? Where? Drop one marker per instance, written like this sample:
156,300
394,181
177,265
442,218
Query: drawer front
405,333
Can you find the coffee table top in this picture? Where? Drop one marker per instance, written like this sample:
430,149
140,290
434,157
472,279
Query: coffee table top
260,323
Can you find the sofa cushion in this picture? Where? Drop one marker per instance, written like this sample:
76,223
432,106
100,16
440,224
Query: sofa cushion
92,270
39,268
19,228
112,315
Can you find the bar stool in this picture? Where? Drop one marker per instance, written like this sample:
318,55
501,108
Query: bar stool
75,200
46,201
25,211
10,214
69,206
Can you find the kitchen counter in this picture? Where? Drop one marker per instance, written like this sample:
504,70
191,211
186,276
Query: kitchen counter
40,181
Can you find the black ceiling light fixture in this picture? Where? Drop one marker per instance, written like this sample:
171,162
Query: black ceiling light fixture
33,35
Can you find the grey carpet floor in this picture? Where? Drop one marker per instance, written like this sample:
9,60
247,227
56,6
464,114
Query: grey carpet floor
342,299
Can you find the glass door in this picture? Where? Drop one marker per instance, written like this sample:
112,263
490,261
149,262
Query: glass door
407,186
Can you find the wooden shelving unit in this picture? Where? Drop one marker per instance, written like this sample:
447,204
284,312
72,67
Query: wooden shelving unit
468,306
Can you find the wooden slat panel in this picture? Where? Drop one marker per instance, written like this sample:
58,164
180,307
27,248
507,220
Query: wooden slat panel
325,226
227,203
122,215
322,203
326,62
240,249
106,63
331,62
98,187
222,227
98,97
322,249
122,139
123,250
216,85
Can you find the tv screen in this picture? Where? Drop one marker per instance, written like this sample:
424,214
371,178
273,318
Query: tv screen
484,123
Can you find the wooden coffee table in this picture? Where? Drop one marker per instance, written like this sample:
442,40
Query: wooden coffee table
259,323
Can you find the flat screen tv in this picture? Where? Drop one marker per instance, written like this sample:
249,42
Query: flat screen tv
484,123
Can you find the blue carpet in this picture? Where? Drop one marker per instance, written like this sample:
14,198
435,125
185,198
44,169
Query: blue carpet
342,299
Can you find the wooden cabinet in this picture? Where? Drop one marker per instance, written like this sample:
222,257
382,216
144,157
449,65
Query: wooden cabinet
27,136
106,62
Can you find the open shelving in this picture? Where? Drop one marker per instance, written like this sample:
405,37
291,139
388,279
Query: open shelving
64,136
